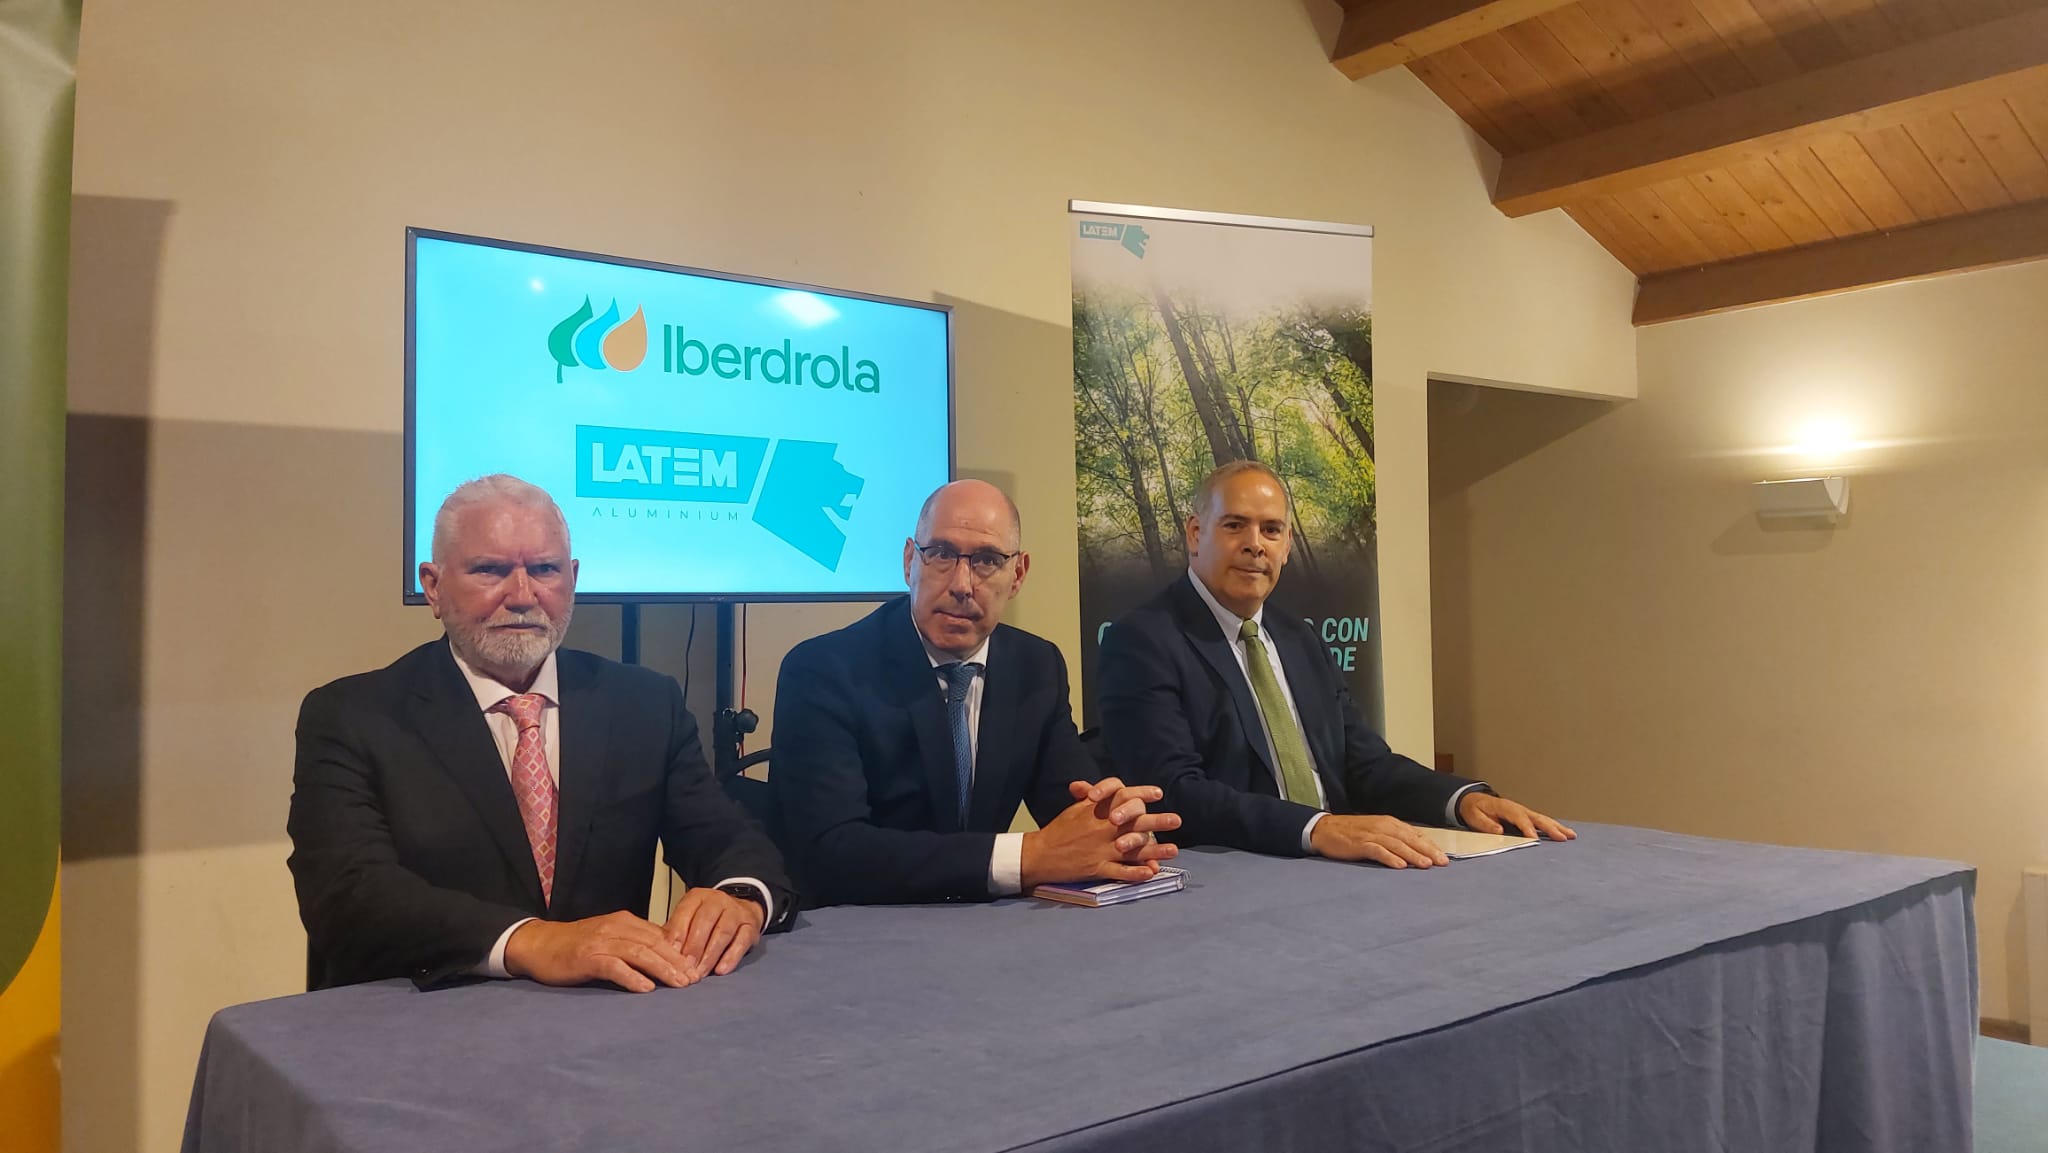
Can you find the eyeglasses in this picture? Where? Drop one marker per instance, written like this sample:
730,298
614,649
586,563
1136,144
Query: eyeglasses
982,563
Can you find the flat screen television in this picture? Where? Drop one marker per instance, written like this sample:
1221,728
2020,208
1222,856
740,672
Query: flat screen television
708,436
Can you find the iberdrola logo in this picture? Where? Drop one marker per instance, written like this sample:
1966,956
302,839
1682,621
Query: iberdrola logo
580,341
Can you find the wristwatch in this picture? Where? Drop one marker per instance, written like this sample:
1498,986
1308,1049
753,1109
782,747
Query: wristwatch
746,892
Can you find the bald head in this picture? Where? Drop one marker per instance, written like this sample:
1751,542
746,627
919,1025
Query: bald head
966,523
971,501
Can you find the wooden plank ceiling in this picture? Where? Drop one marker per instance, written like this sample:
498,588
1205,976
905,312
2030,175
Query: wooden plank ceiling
1740,152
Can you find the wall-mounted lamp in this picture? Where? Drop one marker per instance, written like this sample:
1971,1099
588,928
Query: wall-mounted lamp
1823,498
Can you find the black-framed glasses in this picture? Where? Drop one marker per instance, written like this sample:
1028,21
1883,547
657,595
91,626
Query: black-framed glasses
982,563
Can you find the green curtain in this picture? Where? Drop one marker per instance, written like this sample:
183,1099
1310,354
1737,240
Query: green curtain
38,49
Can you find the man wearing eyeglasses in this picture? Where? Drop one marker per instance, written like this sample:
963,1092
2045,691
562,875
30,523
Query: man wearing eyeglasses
905,742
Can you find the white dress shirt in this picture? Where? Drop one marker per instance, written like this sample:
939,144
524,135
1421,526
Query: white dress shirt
1230,623
505,733
1006,862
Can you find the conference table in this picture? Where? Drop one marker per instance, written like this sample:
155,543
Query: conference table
1631,991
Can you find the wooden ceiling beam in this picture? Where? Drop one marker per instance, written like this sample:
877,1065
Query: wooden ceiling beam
1957,244
1382,34
1976,64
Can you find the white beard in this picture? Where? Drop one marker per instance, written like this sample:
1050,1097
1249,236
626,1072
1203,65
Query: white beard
509,655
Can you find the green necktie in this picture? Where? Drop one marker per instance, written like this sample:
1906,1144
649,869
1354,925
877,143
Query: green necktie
1297,772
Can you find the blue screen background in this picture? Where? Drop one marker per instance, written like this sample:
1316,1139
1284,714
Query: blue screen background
486,399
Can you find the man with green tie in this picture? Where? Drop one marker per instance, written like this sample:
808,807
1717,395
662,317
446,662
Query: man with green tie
1239,715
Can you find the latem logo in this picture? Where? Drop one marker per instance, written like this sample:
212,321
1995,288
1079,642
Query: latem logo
603,342
1131,236
805,488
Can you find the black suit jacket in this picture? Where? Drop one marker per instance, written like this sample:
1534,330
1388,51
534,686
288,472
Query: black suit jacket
863,763
1177,712
408,852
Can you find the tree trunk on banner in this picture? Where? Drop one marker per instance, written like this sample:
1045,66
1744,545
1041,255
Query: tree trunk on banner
1202,391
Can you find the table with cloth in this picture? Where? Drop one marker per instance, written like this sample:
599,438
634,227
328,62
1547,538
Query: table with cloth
1629,991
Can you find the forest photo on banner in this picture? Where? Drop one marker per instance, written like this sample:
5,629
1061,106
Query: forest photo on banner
1196,343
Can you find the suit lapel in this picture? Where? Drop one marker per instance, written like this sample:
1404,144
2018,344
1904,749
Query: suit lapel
1199,625
916,690
1002,692
586,740
446,717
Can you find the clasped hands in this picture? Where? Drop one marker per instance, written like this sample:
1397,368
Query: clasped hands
706,935
1106,834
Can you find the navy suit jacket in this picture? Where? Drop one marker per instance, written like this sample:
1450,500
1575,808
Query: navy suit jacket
863,764
1177,712
408,852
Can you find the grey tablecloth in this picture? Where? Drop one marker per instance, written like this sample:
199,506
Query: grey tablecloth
1629,991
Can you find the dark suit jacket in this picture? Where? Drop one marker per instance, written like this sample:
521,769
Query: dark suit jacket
863,763
1177,712
408,851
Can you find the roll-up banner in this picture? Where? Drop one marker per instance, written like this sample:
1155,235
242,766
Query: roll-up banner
1201,338
38,47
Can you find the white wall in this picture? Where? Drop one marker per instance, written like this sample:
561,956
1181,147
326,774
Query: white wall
244,171
1619,638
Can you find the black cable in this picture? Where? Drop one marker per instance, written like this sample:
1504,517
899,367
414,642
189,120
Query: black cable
743,671
689,642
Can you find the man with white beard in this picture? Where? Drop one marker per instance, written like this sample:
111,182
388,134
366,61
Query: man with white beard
488,805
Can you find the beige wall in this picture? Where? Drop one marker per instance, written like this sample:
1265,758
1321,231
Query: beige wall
1619,638
244,171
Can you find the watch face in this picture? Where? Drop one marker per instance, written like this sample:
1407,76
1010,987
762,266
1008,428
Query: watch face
748,893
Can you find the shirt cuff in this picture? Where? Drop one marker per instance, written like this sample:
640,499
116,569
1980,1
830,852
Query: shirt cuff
1451,808
1006,865
1308,832
494,965
767,897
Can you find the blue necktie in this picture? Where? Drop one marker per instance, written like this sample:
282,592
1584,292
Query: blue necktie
960,678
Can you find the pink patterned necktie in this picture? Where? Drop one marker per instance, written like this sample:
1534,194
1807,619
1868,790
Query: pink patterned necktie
532,784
